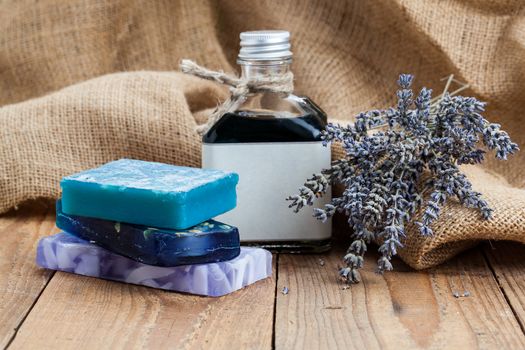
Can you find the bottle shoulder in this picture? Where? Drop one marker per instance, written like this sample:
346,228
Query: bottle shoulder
302,123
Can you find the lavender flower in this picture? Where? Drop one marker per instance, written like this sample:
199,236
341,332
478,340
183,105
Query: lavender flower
382,172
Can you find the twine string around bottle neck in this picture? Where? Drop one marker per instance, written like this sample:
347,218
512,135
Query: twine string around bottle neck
240,88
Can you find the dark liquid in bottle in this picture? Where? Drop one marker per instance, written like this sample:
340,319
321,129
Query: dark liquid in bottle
251,126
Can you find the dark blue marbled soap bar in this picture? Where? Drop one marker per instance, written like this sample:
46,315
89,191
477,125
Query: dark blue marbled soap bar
210,241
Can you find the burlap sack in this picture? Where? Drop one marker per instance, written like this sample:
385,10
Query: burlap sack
348,55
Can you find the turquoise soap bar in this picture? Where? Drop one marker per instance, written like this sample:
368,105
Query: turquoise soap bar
150,194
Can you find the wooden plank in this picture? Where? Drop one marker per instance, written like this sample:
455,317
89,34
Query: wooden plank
21,281
404,309
76,312
508,263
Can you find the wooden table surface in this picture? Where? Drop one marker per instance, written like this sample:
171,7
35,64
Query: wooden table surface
405,309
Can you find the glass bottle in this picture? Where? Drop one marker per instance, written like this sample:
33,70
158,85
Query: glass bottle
273,142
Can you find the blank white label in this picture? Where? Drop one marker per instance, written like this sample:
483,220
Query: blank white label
268,173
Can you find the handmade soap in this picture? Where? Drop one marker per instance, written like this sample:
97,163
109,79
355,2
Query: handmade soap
150,194
210,241
65,252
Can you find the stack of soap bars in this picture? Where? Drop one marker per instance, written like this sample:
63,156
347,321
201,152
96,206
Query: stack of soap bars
150,224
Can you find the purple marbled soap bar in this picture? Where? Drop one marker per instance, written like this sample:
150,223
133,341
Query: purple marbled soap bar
65,252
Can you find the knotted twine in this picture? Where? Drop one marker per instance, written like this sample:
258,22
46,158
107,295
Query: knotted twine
240,88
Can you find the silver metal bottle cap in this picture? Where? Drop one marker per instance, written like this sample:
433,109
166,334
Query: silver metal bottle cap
265,45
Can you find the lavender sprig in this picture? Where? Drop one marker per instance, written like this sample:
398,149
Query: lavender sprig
382,171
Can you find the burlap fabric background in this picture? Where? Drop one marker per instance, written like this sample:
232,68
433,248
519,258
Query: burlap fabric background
65,107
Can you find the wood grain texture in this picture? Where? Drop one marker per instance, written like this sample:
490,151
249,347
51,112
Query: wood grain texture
21,281
507,259
403,309
76,312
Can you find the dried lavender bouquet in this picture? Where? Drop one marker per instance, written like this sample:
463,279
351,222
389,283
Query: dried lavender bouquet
399,160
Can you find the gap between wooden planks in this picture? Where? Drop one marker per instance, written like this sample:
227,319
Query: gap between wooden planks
404,309
77,312
507,260
21,281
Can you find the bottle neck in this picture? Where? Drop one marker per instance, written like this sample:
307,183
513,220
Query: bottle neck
255,69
